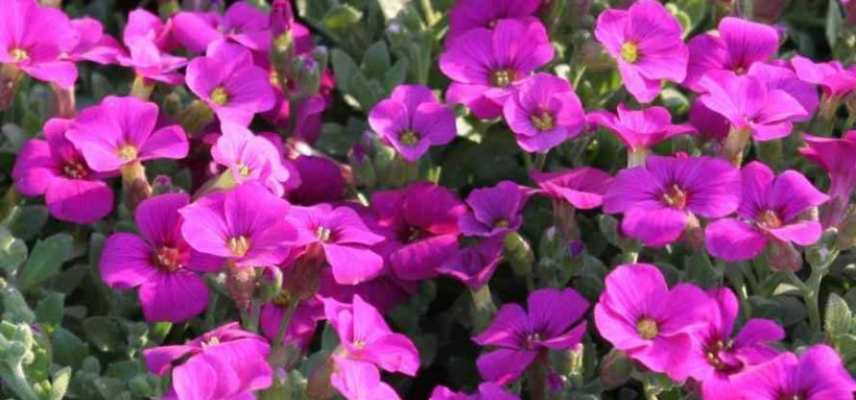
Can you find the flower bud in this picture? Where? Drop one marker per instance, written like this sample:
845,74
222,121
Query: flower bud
270,284
782,256
847,232
10,77
768,11
615,369
241,284
519,254
301,280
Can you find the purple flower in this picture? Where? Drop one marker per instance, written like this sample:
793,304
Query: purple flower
423,223
246,225
344,238
159,262
226,363
242,23
707,123
543,112
818,374
739,44
92,44
835,155
658,199
645,41
487,391
228,81
55,169
321,181
779,76
520,335
143,25
583,187
411,120
770,210
250,157
640,130
148,41
483,64
359,380
495,210
301,326
32,39
475,265
837,81
123,130
470,14
652,324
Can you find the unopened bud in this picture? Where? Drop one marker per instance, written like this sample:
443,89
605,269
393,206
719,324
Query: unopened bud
615,369
195,117
300,281
270,284
241,284
519,254
782,256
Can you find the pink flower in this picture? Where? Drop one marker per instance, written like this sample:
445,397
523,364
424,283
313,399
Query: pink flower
301,326
470,14
483,64
543,112
520,336
159,262
358,380
475,265
658,199
836,156
250,157
242,23
93,44
55,169
246,225
583,187
640,130
148,41
226,363
708,123
32,39
770,210
321,181
836,80
228,81
411,120
495,210
641,316
123,130
487,391
645,41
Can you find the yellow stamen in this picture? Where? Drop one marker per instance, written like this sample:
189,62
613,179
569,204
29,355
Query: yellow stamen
647,328
19,55
219,96
239,246
543,121
630,52
409,138
502,78
128,152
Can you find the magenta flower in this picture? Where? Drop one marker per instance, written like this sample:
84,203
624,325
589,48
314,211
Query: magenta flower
779,76
32,39
520,335
470,14
543,112
246,225
242,23
583,187
123,130
483,64
487,391
495,210
640,130
228,81
250,158
301,326
818,374
411,120
55,169
720,357
148,41
645,41
359,380
143,25
770,210
739,44
226,363
836,80
658,199
344,238
159,262
93,44
652,324
321,181
475,265
708,124
423,222
749,105
836,157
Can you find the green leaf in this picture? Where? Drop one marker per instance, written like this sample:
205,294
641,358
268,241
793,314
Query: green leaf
13,251
105,333
15,308
837,316
700,270
46,260
68,349
344,68
28,221
834,21
341,17
376,61
59,383
395,75
50,309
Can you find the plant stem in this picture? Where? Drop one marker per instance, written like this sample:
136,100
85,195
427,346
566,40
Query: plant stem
279,340
536,378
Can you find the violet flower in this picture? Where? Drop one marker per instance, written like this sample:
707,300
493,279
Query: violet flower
246,225
770,210
470,14
242,23
835,155
54,168
543,112
226,363
659,199
159,262
32,39
640,130
143,25
837,81
708,124
321,181
582,188
148,41
423,222
359,380
645,40
301,326
475,265
227,80
123,130
483,64
411,120
93,44
250,157
779,76
495,210
487,391
652,324
344,239
739,44
521,335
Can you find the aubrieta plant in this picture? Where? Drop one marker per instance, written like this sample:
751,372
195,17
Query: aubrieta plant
428,200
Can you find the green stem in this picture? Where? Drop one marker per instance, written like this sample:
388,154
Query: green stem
279,340
649,390
540,161
428,10
483,307
536,378
735,275
17,381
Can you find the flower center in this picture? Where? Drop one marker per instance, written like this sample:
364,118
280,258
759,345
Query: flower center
501,223
212,341
409,138
647,328
502,77
786,396
239,245
675,197
168,258
769,219
243,170
323,233
282,298
532,340
630,52
19,55
412,234
712,355
219,96
543,121
359,344
128,152
75,170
